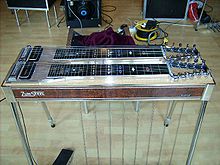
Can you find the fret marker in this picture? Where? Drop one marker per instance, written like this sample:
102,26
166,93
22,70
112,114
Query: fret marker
133,69
130,52
147,69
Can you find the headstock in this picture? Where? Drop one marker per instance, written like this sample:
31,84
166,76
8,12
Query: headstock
185,62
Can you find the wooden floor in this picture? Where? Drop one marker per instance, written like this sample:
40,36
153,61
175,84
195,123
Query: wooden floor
47,142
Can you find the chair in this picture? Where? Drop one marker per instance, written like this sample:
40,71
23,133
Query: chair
40,5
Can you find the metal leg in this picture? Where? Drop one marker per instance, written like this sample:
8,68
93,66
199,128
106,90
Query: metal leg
20,129
200,17
196,132
85,107
55,12
27,15
16,16
47,18
137,106
49,117
171,109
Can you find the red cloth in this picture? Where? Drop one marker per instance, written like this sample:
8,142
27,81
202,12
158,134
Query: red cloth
193,11
106,37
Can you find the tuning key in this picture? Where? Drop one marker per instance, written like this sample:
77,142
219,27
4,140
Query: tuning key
195,51
187,49
180,47
172,47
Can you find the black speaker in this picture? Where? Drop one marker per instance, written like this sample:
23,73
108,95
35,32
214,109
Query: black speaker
88,12
165,9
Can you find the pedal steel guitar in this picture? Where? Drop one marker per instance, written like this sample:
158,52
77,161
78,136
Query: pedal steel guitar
135,73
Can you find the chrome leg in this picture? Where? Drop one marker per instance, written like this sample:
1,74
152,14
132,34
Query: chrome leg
27,15
55,12
16,16
171,109
85,107
137,106
200,17
20,129
196,132
49,117
47,18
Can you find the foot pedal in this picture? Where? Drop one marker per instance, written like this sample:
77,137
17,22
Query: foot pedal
64,157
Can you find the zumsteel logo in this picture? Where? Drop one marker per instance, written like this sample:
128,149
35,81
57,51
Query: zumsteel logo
32,94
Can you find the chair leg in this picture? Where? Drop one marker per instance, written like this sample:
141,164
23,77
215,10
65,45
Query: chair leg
16,16
27,15
47,18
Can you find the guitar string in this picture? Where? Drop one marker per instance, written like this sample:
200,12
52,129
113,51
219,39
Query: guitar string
97,137
84,137
123,133
177,131
110,133
150,131
162,139
136,137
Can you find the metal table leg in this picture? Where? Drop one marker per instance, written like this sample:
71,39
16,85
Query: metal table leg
47,18
200,17
55,12
196,132
20,129
49,117
27,15
16,16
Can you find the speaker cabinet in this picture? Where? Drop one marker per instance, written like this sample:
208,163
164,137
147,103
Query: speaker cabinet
88,11
165,9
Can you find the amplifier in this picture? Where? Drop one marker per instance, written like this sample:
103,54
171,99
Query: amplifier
169,9
86,11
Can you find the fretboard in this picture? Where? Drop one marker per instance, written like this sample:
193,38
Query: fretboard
107,53
60,70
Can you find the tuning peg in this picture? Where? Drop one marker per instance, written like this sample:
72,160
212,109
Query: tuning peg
196,59
190,74
188,58
204,67
180,47
172,47
187,49
195,51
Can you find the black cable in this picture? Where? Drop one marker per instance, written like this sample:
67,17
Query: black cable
62,20
109,19
108,22
162,35
2,99
111,8
25,132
